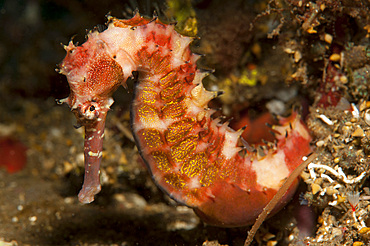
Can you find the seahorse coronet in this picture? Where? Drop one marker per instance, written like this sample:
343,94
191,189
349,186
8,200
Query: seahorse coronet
195,159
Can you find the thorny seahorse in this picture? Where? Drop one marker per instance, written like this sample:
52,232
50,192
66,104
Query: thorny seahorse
198,161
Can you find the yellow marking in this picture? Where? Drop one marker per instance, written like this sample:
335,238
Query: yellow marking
172,92
159,62
168,79
151,59
162,65
162,161
194,165
209,176
175,180
148,95
173,110
184,148
179,129
226,170
215,141
152,138
148,114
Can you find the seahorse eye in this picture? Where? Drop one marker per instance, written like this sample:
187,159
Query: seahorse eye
90,110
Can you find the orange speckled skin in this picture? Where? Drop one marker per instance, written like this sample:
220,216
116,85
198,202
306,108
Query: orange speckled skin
195,159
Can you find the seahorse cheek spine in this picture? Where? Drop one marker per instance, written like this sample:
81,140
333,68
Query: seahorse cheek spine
193,158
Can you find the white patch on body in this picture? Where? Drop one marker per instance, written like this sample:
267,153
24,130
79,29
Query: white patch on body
271,170
194,183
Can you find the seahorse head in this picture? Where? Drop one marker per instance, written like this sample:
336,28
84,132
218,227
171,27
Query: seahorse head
93,75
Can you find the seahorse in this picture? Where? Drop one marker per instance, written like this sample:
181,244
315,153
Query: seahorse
197,160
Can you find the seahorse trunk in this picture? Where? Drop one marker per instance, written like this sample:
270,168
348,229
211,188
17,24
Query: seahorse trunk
195,159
